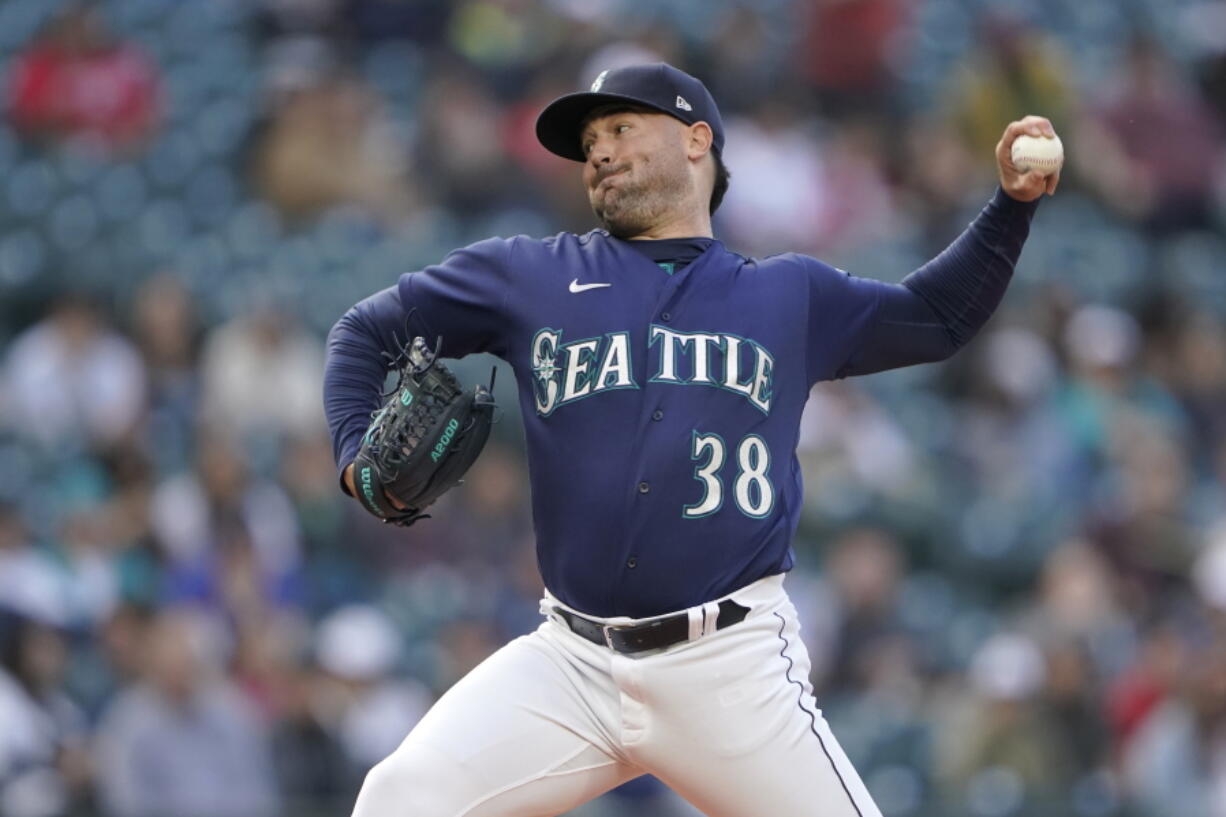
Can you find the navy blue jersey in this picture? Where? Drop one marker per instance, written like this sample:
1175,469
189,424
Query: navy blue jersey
662,404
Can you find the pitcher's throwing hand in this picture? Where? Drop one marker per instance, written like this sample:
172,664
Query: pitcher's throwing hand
1026,183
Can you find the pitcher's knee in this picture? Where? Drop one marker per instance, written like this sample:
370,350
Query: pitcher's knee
412,784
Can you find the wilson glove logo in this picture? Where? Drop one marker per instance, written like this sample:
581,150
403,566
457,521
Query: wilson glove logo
368,490
440,447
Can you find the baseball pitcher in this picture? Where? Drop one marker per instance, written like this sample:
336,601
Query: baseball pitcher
662,379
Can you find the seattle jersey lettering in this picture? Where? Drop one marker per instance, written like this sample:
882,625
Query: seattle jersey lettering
566,372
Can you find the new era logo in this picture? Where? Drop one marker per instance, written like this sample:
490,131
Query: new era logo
683,105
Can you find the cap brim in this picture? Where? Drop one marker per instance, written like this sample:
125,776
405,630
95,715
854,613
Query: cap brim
557,127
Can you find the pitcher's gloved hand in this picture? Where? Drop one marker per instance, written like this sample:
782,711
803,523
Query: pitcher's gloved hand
422,441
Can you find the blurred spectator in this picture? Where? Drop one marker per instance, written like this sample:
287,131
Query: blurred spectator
1019,453
506,39
1016,69
1077,604
165,328
309,477
936,163
84,548
29,579
370,707
861,212
1160,658
750,65
44,762
1076,714
851,48
807,191
1155,145
117,658
552,195
784,204
1128,428
1144,525
231,538
852,451
272,666
68,577
863,573
71,382
1175,764
315,776
1105,401
1001,752
347,554
331,144
183,741
462,152
133,549
78,83
261,378
1198,376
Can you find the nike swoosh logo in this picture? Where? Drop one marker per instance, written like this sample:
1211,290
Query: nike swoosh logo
575,286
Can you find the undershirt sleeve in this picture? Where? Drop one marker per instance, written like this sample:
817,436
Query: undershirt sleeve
361,348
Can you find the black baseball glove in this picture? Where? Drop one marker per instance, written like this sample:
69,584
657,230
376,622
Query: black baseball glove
423,439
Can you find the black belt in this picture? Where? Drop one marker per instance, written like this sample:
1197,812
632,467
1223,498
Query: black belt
650,635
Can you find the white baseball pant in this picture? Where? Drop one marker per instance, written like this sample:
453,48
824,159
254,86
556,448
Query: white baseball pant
552,720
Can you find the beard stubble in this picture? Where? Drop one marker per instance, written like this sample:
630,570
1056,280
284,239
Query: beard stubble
642,200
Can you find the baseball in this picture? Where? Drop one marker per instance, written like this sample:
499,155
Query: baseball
1038,153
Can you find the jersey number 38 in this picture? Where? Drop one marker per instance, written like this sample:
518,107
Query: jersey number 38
751,489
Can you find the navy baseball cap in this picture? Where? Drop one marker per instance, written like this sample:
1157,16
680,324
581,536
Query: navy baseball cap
656,85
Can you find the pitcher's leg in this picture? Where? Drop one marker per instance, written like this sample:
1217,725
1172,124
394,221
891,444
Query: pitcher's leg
737,732
523,735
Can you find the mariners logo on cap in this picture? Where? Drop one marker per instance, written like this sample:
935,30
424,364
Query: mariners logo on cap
599,81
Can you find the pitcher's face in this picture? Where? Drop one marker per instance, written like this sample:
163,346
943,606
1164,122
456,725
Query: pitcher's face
636,170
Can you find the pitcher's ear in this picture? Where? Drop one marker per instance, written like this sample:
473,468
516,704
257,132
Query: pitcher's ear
699,140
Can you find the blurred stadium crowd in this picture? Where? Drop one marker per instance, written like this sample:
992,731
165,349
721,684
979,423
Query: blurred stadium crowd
1012,566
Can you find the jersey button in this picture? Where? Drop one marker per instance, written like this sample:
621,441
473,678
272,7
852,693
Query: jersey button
632,562
657,415
666,316
644,487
